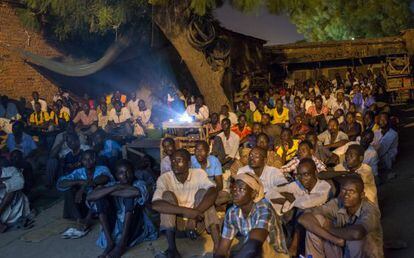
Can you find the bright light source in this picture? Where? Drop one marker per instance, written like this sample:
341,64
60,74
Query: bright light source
170,120
185,118
352,38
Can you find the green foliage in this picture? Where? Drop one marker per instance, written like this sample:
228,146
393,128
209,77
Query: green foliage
68,18
317,19
28,19
322,20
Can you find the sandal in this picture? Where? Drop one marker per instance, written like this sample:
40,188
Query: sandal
79,233
68,233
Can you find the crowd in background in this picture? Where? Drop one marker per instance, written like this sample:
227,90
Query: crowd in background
287,171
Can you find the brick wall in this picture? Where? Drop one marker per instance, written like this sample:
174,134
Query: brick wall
18,79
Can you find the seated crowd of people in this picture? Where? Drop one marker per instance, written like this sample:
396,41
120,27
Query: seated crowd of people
292,171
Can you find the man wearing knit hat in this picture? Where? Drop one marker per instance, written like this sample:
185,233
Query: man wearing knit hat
252,218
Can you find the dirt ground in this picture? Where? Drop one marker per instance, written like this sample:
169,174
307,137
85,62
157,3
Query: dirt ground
395,200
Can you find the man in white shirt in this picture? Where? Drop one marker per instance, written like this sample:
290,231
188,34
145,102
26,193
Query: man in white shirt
43,103
198,110
225,113
226,145
339,103
333,138
186,193
168,148
304,193
386,144
328,98
119,121
132,104
141,118
270,176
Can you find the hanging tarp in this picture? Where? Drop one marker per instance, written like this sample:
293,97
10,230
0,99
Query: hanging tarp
77,70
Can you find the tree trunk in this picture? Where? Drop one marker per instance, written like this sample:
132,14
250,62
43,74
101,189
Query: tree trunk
208,81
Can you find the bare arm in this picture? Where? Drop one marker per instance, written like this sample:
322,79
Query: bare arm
337,144
101,192
326,175
125,191
208,200
253,247
224,248
219,182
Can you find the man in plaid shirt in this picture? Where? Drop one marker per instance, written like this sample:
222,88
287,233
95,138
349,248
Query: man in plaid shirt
253,219
305,150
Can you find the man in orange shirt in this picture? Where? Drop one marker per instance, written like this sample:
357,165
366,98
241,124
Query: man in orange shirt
242,129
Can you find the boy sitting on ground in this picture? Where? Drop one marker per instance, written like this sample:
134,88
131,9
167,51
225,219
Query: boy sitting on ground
186,193
76,185
348,226
128,224
304,193
13,202
253,220
212,166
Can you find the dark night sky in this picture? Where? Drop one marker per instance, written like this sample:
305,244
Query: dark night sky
276,29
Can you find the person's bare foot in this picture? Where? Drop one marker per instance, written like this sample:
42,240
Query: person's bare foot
3,227
109,247
117,252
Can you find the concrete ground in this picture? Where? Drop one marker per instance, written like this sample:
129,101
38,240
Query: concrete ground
395,200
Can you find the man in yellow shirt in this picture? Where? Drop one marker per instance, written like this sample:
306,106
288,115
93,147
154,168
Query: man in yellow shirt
257,114
288,147
39,119
280,114
58,114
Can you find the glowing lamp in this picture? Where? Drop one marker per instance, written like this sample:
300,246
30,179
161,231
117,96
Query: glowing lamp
185,118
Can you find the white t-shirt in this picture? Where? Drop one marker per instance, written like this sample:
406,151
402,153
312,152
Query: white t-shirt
325,137
232,117
271,177
185,193
202,115
121,117
43,104
231,145
133,106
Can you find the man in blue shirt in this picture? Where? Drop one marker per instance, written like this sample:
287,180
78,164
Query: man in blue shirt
108,150
20,140
79,183
125,223
212,166
8,109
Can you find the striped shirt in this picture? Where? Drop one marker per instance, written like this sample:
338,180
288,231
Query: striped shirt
262,216
292,165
